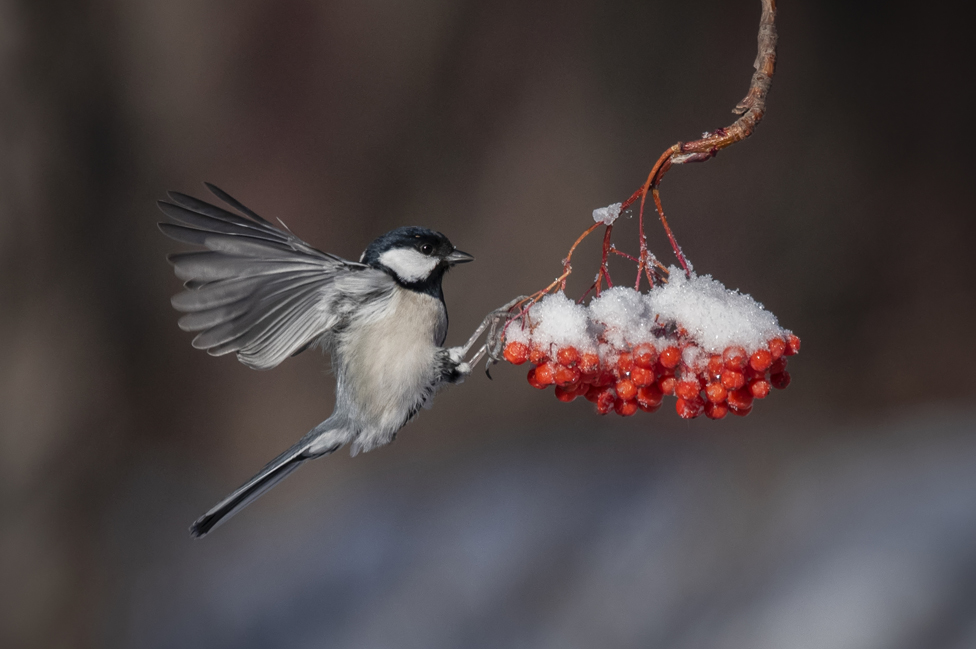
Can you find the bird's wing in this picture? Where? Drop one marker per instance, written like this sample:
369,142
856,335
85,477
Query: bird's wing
258,290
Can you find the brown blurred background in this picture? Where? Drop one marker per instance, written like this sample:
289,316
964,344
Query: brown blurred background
841,513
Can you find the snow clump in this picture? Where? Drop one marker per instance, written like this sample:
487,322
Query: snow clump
700,310
607,215
714,349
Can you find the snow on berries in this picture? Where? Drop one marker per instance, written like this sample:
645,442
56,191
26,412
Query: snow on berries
715,350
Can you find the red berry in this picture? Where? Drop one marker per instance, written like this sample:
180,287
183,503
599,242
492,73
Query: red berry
625,363
759,388
741,412
715,366
780,380
566,394
644,356
625,408
666,385
716,392
604,379
589,364
626,389
537,381
537,355
792,345
760,360
649,408
777,366
649,398
565,376
733,380
735,358
516,353
546,373
641,376
568,356
670,357
740,399
605,401
687,390
689,409
716,410
777,347
753,376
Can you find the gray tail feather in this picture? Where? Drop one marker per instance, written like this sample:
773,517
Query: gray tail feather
275,471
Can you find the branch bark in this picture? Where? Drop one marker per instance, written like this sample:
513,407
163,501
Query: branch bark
752,108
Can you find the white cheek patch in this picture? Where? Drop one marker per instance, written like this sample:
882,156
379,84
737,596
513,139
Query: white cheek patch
408,264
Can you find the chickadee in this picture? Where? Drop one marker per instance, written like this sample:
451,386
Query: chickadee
264,294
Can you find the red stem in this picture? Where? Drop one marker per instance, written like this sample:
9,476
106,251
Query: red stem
603,264
623,254
674,244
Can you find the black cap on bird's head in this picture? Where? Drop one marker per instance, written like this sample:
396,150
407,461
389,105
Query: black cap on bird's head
415,257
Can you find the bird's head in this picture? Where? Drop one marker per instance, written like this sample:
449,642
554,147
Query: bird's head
416,257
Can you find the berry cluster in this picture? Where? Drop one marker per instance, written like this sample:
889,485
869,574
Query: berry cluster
625,379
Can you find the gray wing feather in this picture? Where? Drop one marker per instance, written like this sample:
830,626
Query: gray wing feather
233,202
211,266
209,223
258,290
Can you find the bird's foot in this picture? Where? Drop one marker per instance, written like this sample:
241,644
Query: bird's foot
457,368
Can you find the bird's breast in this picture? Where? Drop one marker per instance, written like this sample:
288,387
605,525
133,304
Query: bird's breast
389,359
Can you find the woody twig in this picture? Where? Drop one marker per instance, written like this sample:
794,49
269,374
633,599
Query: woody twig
751,110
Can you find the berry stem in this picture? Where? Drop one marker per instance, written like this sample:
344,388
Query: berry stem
604,270
674,244
614,250
567,266
643,246
561,280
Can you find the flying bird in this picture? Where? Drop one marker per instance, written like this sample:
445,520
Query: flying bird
262,293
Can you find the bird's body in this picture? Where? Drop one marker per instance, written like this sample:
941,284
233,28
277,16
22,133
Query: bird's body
394,357
265,294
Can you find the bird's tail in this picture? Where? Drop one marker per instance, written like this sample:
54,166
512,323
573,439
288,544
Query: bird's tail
276,470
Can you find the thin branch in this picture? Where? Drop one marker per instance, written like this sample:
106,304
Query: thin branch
623,254
567,265
751,109
604,269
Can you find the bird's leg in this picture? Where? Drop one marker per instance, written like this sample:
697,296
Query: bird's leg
491,346
478,355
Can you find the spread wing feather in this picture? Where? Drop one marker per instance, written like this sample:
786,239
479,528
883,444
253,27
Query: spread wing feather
257,290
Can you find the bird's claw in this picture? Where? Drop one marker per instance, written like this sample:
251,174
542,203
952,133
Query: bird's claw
495,322
499,320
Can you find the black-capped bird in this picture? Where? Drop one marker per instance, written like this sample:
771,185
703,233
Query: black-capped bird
262,293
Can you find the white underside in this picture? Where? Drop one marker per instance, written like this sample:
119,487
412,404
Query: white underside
387,369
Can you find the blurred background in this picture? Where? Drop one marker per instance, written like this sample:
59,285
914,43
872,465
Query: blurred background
841,513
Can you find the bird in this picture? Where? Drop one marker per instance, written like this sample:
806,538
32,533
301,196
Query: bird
262,293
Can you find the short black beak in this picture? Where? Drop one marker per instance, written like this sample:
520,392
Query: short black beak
458,257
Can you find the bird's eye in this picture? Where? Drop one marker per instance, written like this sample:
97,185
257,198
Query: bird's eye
427,248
